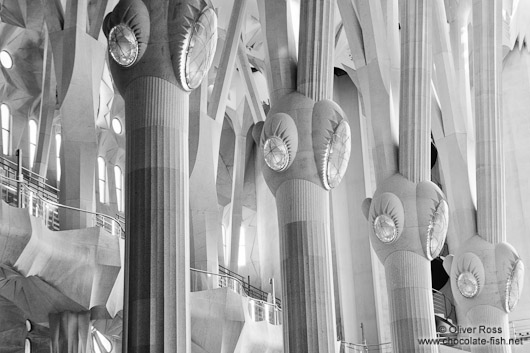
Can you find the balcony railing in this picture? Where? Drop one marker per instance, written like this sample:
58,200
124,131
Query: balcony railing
520,329
40,203
259,310
347,347
9,168
252,291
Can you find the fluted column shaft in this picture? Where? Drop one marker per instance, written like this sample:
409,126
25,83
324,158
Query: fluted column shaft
415,95
409,289
305,252
490,317
156,312
487,62
315,65
69,332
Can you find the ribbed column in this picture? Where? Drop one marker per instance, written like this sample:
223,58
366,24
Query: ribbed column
415,94
305,252
69,332
409,289
157,248
490,317
487,62
317,42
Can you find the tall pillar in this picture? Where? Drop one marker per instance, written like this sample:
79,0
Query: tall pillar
157,56
236,213
408,213
78,79
486,272
69,332
304,145
205,215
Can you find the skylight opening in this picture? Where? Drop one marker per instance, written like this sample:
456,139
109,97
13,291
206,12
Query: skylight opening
116,125
5,59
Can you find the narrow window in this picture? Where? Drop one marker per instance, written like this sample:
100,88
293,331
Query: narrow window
119,187
58,155
32,142
27,346
6,128
102,179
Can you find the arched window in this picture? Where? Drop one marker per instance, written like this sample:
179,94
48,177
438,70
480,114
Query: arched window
6,128
102,180
27,346
58,155
118,176
32,142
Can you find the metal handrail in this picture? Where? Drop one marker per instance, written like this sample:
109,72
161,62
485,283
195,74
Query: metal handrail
31,175
520,329
35,193
253,291
365,348
259,310
240,282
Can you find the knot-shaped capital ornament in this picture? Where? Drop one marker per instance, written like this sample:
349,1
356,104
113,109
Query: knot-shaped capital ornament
175,41
407,216
304,139
483,273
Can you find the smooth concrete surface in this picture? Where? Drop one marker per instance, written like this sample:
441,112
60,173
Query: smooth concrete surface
221,323
72,261
355,295
15,232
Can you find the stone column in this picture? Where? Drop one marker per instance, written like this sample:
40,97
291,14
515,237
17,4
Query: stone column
236,214
69,332
157,215
205,215
78,83
296,140
316,44
155,85
305,254
487,63
486,272
408,214
415,92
